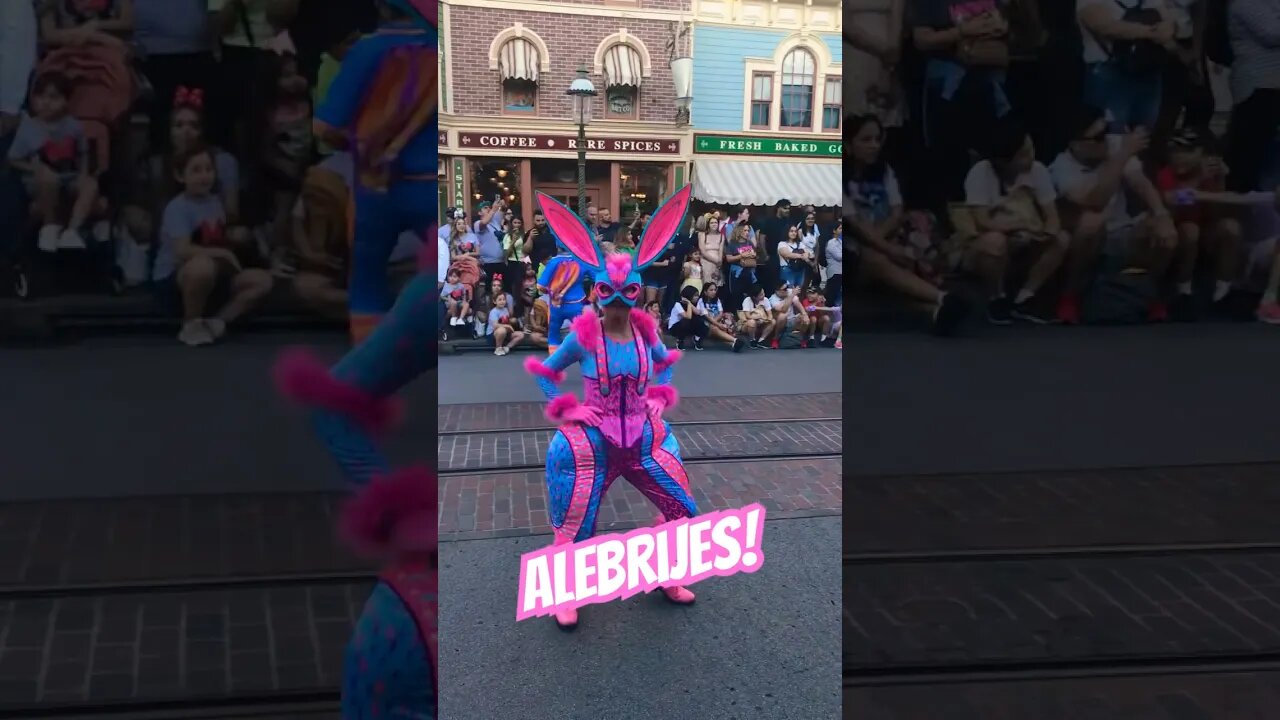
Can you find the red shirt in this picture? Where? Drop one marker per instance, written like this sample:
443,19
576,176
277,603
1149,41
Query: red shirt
1167,181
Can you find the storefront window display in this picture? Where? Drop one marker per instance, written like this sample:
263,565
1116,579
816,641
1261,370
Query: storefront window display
641,188
491,179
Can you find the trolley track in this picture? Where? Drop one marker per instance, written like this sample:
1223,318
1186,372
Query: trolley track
276,706
749,458
675,424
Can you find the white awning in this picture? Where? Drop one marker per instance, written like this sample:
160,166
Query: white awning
621,66
518,60
758,182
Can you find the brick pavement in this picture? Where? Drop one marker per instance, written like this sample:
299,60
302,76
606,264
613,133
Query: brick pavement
129,539
174,645
1224,503
528,415
1240,696
506,504
900,615
490,451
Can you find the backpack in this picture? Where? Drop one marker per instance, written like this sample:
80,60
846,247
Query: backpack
1119,299
1138,57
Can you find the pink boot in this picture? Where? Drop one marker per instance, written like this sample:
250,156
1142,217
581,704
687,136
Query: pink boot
566,620
675,593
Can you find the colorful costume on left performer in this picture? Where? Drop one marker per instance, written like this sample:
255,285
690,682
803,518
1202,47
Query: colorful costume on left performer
562,278
391,662
383,101
618,428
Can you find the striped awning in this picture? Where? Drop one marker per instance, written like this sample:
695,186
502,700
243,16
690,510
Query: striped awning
621,66
746,182
518,60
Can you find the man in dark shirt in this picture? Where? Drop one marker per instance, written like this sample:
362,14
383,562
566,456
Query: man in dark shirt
542,242
775,231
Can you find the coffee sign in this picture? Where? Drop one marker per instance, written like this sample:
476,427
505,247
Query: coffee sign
747,145
567,143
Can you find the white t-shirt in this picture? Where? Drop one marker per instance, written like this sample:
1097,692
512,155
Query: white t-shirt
676,315
982,186
795,247
710,312
1093,49
776,303
442,258
1070,176
749,305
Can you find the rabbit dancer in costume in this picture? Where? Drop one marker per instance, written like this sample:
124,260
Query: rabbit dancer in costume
618,428
391,660
562,280
382,107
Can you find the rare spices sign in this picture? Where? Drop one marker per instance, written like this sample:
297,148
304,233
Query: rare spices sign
568,143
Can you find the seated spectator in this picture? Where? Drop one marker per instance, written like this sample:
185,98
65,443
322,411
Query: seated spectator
1188,183
1126,48
684,322
321,238
531,316
755,318
1013,203
821,318
721,324
198,258
457,298
1093,178
788,315
86,41
287,147
502,327
873,208
52,157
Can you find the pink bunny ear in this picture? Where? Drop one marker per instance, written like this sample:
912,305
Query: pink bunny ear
571,232
663,226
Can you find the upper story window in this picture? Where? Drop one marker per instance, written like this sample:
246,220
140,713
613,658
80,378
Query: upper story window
833,104
798,77
518,61
761,100
622,71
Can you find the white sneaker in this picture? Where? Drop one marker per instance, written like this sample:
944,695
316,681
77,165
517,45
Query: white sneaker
48,241
217,327
194,333
497,351
70,240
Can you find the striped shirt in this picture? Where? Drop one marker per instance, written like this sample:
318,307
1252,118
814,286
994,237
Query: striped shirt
1254,28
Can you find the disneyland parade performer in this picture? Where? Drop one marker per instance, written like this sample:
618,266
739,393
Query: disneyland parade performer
382,108
561,280
617,429
390,666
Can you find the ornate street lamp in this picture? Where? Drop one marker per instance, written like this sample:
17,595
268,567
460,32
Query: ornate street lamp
582,91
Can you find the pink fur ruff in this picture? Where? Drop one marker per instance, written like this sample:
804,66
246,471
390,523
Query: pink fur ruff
534,366
394,515
666,394
304,379
673,356
618,266
587,327
647,326
561,409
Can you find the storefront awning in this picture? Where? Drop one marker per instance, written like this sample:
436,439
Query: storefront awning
740,182
621,66
518,60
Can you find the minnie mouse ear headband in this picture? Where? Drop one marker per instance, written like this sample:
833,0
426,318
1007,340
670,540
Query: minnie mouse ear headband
425,13
185,97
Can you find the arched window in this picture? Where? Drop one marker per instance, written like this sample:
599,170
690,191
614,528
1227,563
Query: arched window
622,71
798,77
518,62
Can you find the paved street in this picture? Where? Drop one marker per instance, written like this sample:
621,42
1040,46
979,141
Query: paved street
1102,450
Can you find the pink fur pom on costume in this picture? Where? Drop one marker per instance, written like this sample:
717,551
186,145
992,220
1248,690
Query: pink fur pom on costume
673,356
304,379
561,409
534,366
394,515
618,266
647,326
587,327
665,394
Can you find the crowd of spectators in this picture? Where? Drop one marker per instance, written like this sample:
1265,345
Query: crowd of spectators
733,278
1066,162
226,195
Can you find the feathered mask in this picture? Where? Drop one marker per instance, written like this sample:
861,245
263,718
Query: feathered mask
616,277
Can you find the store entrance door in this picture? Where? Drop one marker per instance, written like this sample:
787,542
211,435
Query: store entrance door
567,193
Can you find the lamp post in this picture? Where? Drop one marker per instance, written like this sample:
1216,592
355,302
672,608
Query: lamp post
582,90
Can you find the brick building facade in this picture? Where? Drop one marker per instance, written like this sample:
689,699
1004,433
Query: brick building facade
505,69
